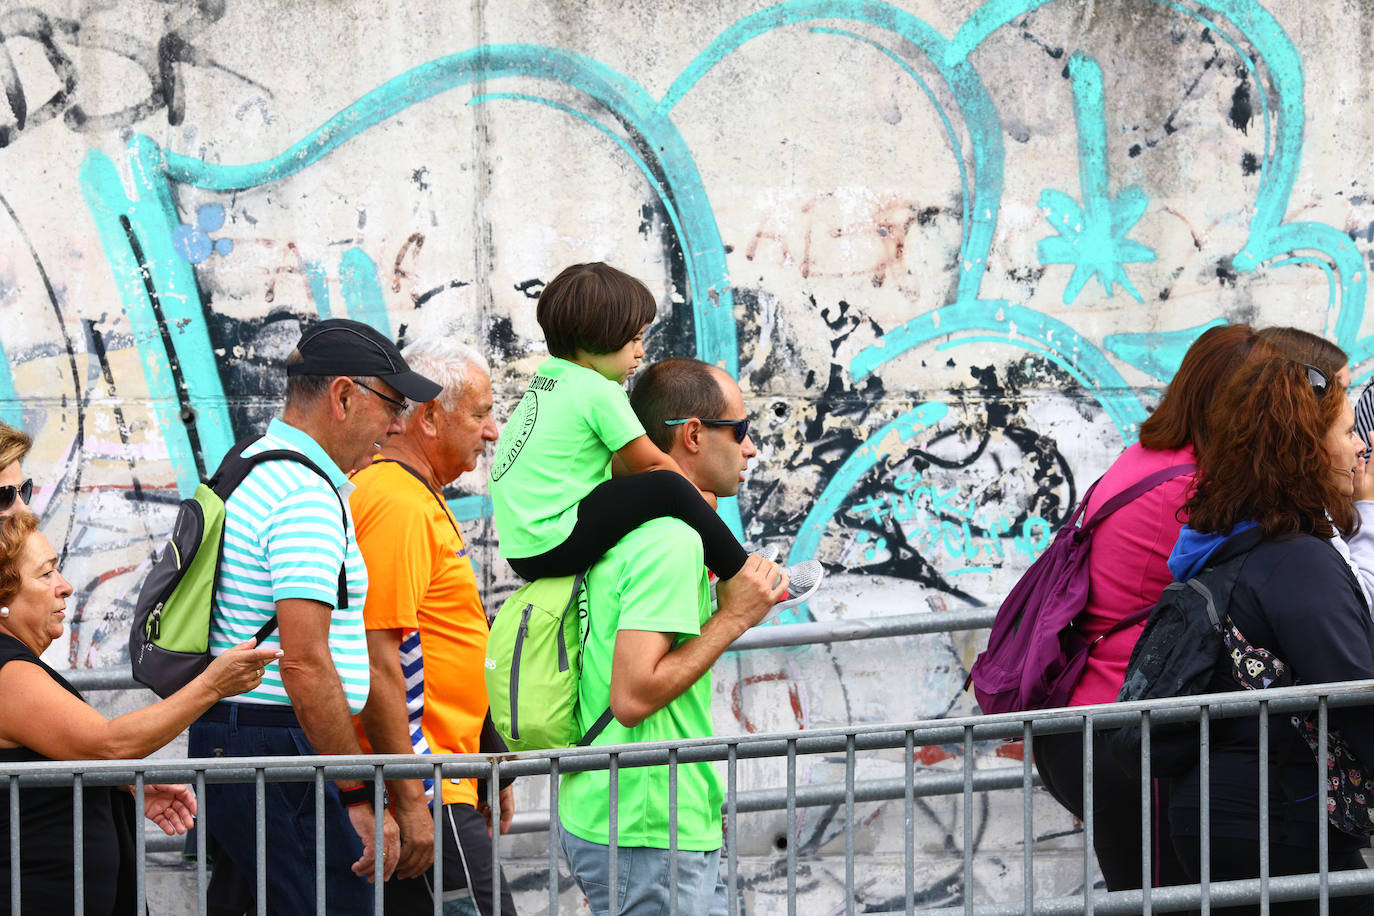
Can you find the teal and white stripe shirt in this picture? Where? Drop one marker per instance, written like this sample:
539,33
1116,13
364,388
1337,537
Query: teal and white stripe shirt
284,537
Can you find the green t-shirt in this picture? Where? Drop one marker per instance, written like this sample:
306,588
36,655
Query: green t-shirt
555,449
645,583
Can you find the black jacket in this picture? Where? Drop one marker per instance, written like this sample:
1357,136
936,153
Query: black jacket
1297,598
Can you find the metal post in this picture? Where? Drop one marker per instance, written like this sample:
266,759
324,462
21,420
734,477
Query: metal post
494,805
1146,808
1089,806
968,820
140,848
909,827
1323,852
202,828
260,836
554,828
672,832
1027,830
437,811
731,863
378,839
1204,741
78,847
613,836
791,827
1264,863
849,825
319,845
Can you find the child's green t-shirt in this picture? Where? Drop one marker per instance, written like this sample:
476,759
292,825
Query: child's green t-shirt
556,448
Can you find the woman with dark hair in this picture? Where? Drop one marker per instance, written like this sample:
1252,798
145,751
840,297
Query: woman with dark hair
1276,482
1128,573
43,717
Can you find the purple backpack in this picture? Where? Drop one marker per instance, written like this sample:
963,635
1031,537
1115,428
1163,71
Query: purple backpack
1035,655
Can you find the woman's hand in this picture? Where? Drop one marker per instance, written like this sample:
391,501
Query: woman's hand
239,669
173,808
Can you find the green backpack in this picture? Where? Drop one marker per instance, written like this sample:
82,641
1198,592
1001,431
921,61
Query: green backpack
169,642
533,665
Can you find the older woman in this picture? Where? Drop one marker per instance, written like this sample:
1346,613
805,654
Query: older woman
15,488
1276,479
42,717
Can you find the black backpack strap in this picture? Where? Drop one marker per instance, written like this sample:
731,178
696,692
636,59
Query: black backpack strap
597,728
437,496
1136,490
234,468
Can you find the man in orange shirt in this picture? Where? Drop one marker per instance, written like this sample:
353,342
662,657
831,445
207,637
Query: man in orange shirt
427,630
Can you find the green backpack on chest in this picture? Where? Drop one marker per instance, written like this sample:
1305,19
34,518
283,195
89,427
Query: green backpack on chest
533,666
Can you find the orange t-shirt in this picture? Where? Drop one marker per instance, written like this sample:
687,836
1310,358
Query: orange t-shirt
420,578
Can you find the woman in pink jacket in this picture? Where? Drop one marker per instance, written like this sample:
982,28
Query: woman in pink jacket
1129,572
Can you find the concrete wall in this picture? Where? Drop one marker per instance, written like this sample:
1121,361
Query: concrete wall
951,251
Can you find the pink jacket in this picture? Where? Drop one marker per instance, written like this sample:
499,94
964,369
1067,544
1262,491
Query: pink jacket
1127,563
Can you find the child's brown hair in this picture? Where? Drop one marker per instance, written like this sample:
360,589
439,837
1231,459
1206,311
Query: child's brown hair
593,308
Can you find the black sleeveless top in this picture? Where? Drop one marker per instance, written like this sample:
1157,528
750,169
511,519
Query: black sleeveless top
45,832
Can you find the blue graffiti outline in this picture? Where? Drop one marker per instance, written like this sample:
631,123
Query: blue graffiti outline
675,178
1092,236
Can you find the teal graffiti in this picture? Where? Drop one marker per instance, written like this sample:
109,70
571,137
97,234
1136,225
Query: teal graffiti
11,408
882,445
1157,353
317,281
362,294
1092,237
145,214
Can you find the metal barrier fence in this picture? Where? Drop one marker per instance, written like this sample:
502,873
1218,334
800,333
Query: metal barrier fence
735,752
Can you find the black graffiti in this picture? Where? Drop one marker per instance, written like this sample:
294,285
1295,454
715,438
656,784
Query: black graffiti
159,57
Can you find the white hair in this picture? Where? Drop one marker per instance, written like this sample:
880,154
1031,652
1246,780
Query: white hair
445,360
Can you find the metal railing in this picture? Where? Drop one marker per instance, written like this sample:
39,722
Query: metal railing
736,753
764,637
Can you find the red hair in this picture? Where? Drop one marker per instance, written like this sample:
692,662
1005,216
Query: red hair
1181,417
1265,457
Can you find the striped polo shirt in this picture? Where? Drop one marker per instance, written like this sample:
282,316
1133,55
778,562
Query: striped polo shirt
284,537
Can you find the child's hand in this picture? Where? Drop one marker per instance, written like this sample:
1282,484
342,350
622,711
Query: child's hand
1364,480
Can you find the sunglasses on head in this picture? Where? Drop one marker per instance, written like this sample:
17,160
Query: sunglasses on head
10,491
740,427
1317,379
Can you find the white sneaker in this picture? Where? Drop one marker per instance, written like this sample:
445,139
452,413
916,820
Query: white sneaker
768,551
803,580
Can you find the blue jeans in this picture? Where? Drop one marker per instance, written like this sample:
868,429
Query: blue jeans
642,886
290,811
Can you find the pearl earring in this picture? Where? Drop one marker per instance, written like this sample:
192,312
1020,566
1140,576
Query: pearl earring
4,612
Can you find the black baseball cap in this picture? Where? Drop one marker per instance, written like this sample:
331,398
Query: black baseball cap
341,346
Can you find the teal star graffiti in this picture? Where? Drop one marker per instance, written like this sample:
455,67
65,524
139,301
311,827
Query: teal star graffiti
1092,237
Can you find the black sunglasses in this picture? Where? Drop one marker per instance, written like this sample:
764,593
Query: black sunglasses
9,491
1317,379
740,427
397,407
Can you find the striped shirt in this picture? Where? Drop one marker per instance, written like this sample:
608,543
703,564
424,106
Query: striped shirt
285,537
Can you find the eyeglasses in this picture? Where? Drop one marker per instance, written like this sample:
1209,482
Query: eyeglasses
397,407
10,491
740,427
1317,379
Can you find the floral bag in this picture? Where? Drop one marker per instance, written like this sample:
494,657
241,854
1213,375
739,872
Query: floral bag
1350,788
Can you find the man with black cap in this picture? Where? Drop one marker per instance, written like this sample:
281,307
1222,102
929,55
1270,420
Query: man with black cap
286,537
